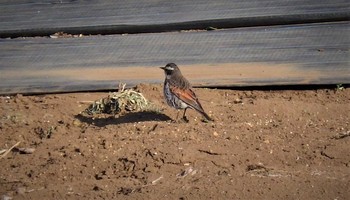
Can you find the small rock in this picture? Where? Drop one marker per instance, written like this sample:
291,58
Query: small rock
216,134
25,150
21,190
267,141
5,197
96,188
77,123
187,171
238,100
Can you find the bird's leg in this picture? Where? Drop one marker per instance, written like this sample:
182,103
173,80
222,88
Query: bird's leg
184,116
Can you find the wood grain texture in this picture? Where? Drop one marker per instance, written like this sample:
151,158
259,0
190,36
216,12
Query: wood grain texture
302,54
30,18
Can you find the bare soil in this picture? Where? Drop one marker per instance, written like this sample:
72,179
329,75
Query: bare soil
280,144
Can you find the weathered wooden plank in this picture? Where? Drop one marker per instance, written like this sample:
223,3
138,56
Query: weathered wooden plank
30,18
305,54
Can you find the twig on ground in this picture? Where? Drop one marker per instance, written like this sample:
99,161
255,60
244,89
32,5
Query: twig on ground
9,150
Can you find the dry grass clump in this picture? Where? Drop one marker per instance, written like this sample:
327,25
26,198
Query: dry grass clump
125,100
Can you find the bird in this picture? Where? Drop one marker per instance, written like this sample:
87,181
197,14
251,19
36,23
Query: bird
178,92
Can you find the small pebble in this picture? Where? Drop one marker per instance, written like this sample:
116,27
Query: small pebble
5,197
21,190
77,123
238,100
216,134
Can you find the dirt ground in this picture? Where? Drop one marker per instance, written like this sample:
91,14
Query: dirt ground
279,144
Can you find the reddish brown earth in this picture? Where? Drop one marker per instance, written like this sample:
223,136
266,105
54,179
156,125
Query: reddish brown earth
281,144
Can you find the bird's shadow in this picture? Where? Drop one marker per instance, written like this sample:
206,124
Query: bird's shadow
126,118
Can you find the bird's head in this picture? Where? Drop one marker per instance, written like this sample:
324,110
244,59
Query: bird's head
170,68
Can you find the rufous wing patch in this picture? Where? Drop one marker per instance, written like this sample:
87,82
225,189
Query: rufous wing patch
188,96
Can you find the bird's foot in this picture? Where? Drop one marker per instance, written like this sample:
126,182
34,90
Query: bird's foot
184,119
181,120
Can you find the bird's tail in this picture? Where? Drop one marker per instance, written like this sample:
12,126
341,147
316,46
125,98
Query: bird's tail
206,116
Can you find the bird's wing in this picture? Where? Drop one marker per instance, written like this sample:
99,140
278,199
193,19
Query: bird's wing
187,96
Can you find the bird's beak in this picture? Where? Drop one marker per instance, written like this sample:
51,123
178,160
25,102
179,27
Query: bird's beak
162,68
